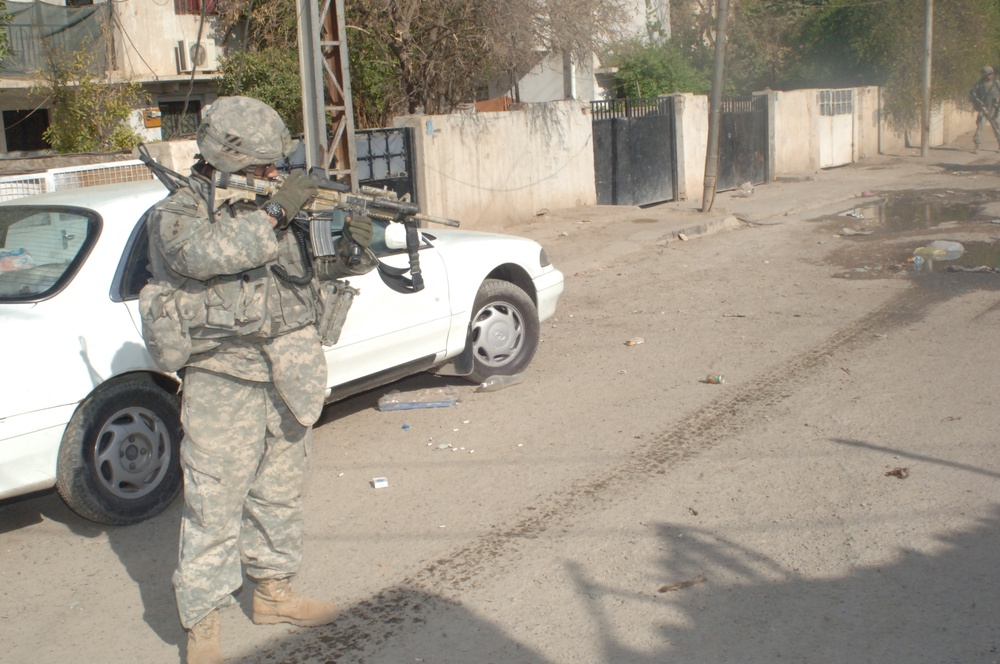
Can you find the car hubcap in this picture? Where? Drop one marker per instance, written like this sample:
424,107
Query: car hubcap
497,334
132,453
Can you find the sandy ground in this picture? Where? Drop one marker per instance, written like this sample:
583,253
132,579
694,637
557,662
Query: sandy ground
614,507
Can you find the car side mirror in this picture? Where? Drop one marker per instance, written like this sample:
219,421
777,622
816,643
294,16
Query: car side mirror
395,236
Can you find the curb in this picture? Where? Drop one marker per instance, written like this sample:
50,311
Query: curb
706,228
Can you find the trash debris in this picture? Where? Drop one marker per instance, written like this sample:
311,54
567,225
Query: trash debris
683,584
746,190
850,231
405,427
494,383
940,250
380,482
715,379
978,268
444,446
868,193
901,473
682,237
635,342
855,214
434,397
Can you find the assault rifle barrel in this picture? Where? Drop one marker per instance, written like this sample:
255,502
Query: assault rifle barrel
377,203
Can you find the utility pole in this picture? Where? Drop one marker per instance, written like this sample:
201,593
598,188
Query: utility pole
715,110
323,58
925,114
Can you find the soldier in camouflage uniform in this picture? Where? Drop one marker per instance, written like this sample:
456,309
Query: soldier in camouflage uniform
255,380
986,98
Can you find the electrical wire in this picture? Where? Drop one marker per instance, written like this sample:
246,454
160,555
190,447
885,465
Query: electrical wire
121,27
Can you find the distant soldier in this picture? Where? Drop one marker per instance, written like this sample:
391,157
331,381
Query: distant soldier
985,97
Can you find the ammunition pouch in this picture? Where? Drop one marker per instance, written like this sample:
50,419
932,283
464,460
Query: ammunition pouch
337,297
168,313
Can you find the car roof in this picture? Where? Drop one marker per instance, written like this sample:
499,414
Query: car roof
99,197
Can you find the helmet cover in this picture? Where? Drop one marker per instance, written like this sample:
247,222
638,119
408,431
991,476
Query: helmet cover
241,132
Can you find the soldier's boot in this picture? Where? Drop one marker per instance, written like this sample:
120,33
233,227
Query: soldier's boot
204,645
274,602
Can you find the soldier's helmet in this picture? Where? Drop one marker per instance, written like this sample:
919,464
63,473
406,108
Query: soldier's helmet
986,71
241,132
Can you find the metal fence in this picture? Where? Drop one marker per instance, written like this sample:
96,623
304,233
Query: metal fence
72,177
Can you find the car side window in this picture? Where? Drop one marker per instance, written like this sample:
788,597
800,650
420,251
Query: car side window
41,249
135,268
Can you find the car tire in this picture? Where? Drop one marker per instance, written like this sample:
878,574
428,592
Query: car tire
119,462
503,331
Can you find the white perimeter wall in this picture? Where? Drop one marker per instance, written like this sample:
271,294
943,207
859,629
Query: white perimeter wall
490,170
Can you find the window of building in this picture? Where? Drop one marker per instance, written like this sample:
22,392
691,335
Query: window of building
175,121
194,6
23,129
79,3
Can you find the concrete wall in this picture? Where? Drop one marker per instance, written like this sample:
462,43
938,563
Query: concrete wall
490,170
147,39
691,114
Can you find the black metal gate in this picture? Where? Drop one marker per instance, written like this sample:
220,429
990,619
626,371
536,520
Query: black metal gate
385,159
635,154
742,142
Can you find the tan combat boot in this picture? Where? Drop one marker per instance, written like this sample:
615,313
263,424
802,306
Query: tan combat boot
204,646
274,601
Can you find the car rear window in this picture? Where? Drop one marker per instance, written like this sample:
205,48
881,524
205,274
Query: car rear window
41,249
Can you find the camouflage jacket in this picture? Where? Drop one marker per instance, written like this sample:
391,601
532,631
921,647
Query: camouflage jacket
250,323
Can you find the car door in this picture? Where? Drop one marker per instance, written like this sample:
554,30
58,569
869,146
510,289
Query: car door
386,328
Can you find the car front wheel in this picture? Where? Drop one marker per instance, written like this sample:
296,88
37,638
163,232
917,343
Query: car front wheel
504,330
119,462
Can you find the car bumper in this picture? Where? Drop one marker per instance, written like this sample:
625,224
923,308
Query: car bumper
548,288
29,449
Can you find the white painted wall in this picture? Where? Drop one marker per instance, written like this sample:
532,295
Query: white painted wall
490,170
148,38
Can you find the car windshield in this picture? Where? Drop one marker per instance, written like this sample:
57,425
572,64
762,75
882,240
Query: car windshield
41,248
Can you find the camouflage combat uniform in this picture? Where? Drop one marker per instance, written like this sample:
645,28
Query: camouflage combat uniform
253,386
987,95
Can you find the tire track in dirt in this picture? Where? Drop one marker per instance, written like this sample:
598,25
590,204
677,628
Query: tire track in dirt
375,621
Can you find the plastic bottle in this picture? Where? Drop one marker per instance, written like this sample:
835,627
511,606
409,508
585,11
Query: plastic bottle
918,263
494,383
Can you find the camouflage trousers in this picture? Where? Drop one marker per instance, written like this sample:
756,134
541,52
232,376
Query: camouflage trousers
981,121
245,459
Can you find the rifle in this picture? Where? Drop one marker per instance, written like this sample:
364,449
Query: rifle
377,203
981,107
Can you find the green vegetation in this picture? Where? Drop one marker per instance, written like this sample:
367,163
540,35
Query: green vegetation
88,114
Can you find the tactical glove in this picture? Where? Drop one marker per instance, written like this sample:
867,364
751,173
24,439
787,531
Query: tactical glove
294,192
359,229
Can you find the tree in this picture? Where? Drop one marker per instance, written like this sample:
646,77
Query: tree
440,52
263,60
5,18
88,114
649,69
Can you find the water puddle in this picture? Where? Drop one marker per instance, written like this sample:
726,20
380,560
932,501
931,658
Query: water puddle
897,212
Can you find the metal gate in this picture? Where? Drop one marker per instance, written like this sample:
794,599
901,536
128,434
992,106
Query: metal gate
836,127
635,154
385,159
743,142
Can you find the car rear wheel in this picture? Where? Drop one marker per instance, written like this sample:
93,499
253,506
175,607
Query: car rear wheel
504,330
119,462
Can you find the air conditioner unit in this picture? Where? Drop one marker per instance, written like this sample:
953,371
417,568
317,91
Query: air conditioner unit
200,55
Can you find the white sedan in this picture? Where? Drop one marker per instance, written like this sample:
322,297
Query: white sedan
84,408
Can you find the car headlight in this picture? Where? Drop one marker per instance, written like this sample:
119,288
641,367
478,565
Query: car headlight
543,258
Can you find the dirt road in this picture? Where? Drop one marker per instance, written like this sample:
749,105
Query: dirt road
834,500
